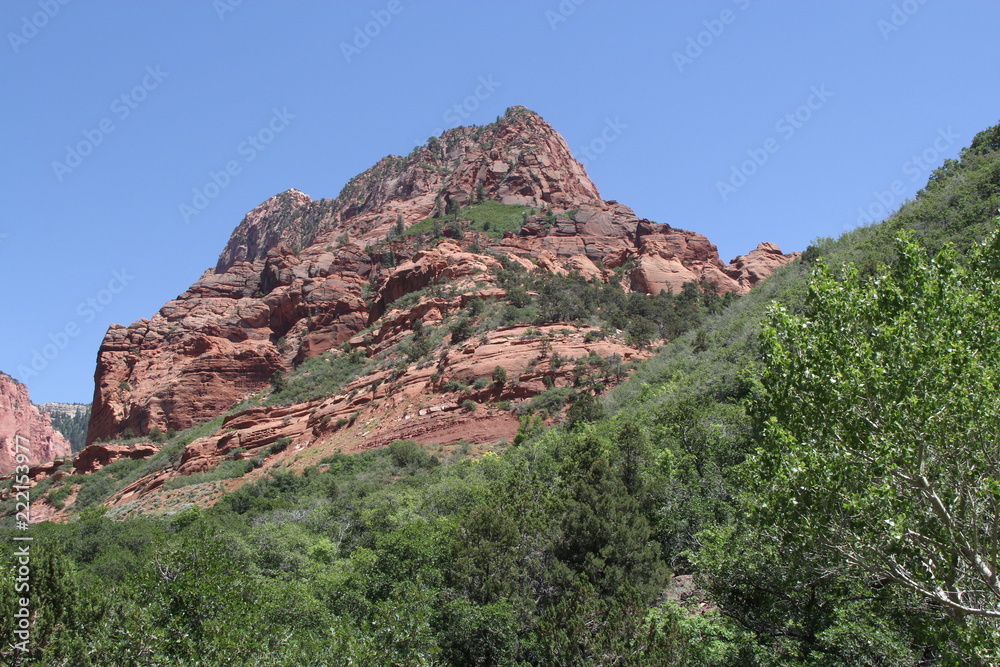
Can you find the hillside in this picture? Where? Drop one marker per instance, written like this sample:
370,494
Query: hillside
71,420
630,529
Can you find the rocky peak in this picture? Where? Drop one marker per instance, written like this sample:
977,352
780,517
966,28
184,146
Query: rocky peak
281,219
18,417
750,269
518,159
300,277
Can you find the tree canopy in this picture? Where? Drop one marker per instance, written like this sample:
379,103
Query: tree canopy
880,424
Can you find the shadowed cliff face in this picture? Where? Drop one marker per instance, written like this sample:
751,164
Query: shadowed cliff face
300,277
19,417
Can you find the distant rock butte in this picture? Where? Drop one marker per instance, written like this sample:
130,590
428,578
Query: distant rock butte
18,417
299,277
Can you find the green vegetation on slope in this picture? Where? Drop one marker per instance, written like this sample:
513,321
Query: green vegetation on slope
489,217
73,427
558,551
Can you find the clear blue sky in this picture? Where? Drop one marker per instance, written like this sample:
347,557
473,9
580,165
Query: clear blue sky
886,82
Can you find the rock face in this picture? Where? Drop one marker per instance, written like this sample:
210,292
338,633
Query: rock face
22,423
67,409
224,339
299,277
95,457
748,270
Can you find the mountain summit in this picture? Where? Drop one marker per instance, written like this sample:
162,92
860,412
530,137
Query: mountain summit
478,270
519,159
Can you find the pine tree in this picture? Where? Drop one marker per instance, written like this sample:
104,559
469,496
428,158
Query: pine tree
604,535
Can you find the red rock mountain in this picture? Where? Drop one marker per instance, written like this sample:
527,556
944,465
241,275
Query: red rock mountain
300,277
18,417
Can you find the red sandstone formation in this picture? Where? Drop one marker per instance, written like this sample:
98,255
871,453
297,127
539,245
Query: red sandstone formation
24,430
300,277
749,270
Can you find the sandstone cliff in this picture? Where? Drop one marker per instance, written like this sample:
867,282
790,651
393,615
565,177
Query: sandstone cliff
299,278
18,417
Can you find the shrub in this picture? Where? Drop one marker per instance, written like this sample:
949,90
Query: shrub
453,385
584,408
461,330
469,405
225,470
280,445
409,454
550,401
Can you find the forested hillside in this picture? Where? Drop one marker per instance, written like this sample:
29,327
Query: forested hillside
70,419
804,476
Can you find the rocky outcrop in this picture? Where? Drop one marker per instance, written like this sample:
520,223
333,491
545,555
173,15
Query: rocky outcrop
750,269
24,430
67,409
428,403
519,159
299,276
225,338
445,263
95,457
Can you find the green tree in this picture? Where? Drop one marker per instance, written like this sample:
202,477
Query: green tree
880,424
604,535
499,377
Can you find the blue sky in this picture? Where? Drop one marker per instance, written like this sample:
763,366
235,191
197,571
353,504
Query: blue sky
743,120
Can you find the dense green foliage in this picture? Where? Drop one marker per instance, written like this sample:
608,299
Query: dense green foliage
489,218
881,423
729,456
378,558
73,427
